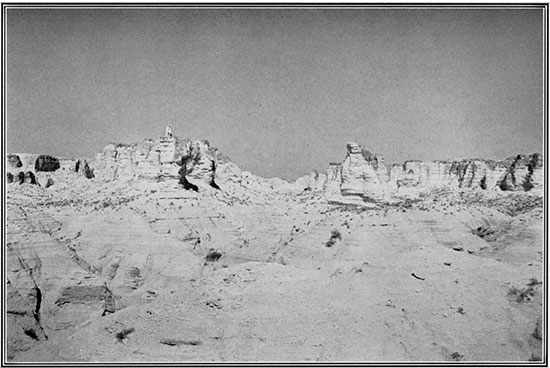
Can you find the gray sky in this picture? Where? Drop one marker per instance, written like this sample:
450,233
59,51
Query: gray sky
278,91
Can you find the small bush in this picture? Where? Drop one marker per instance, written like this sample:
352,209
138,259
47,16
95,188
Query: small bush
526,293
334,235
521,295
534,282
457,356
213,255
122,334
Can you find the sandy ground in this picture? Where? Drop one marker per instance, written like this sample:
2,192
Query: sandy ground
438,280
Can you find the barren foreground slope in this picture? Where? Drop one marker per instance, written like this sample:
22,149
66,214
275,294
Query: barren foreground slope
106,272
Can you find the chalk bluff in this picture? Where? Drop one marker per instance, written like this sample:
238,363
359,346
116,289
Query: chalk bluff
362,174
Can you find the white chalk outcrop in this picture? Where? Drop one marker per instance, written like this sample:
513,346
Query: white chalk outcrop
364,174
196,165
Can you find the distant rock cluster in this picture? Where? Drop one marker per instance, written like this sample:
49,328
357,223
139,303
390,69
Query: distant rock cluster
364,174
195,165
25,168
192,163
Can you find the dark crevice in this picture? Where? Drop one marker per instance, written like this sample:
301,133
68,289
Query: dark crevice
214,185
31,333
212,182
187,185
483,183
17,313
36,314
531,165
183,180
38,303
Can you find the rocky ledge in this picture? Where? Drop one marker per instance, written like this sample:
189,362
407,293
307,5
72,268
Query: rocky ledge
364,174
197,166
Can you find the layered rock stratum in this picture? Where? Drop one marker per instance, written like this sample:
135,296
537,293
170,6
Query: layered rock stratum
165,250
364,174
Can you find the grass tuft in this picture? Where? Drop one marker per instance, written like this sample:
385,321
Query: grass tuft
334,235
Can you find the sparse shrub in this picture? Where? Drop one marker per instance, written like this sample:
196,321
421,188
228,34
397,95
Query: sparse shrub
534,282
457,356
521,295
334,235
120,336
525,294
213,255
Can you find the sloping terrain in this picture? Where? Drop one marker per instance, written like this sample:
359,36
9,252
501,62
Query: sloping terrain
127,271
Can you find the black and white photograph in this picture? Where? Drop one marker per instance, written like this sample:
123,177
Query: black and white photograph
274,183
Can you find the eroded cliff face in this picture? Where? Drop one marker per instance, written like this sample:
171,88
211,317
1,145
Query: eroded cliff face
522,173
364,174
195,165
192,163
95,244
148,159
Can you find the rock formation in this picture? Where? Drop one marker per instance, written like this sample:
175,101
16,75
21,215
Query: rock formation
199,164
83,168
22,178
362,174
168,158
46,163
128,234
14,161
365,175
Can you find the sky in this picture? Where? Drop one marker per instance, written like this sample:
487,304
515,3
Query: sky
279,91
